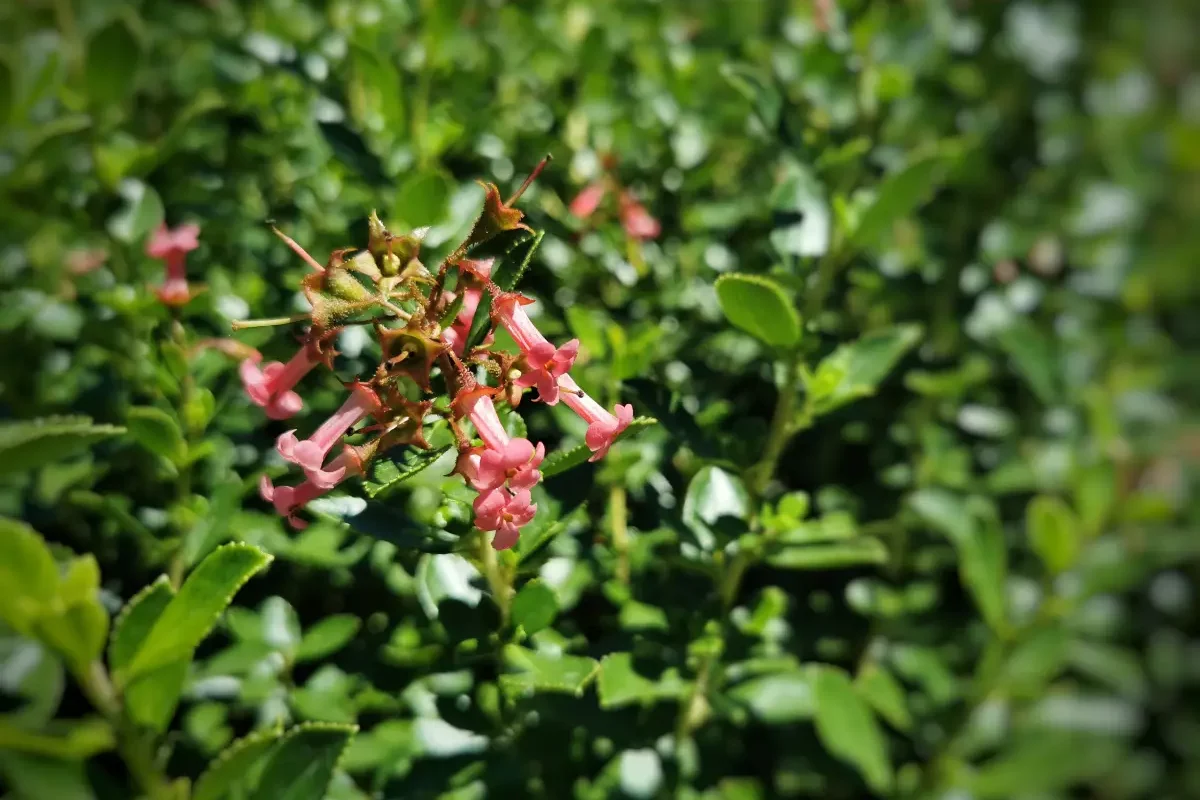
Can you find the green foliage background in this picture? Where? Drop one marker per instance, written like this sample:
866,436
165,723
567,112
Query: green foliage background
915,519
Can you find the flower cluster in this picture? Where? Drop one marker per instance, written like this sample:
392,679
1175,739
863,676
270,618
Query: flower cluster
433,352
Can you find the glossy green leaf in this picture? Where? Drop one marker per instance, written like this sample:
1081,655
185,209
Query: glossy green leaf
140,214
192,613
1034,357
760,307
536,672
563,460
865,550
150,699
236,763
1053,531
777,699
898,195
534,607
715,506
69,740
885,694
327,637
848,729
27,572
389,475
856,369
28,444
157,431
302,765
620,683
982,559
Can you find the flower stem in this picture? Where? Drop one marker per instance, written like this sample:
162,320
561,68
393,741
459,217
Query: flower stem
780,431
497,579
617,519
269,322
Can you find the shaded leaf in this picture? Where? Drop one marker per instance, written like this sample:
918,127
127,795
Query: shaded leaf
534,607
536,672
865,550
112,59
232,768
848,729
1053,532
26,445
327,637
302,765
777,699
619,683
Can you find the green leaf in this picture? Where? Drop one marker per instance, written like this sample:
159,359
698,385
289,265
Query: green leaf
233,767
70,740
982,560
422,199
901,193
27,573
865,550
619,683
152,698
1115,667
511,267
302,766
136,619
37,778
536,672
1043,763
760,307
1054,532
1033,355
26,445
715,507
856,369
661,403
534,607
191,614
112,60
76,625
513,251
563,460
885,694
389,474
141,213
327,637
758,88
6,92
157,431
777,699
375,91
848,729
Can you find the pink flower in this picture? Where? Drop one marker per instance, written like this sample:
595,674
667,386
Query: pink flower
310,453
172,246
289,499
515,462
603,427
545,363
637,220
271,386
505,513
482,413
588,200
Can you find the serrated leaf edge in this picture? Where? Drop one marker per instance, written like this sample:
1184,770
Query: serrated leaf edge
119,621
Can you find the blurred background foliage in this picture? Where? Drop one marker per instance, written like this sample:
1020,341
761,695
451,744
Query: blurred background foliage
972,540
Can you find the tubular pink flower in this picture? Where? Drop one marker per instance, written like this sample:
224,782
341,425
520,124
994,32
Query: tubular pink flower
545,362
456,335
516,462
637,220
310,453
588,200
289,499
271,386
172,246
603,427
505,513
482,414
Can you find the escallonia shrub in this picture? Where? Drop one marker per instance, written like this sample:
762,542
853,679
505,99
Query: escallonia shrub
435,329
